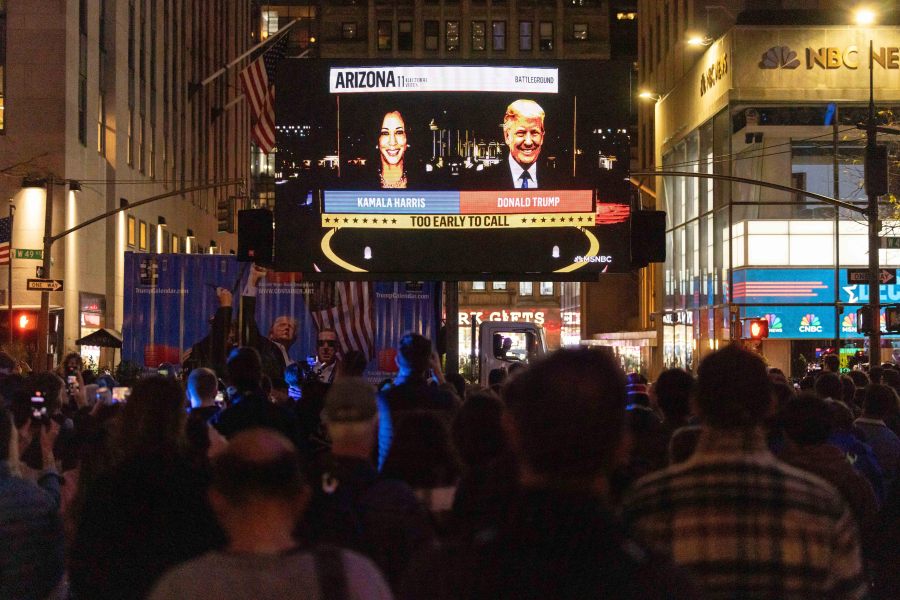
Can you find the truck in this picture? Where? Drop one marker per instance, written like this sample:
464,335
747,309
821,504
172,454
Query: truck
503,346
170,303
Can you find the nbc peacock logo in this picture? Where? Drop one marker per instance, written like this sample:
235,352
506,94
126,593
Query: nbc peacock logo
810,323
848,324
775,325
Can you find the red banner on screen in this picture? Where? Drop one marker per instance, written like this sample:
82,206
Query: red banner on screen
526,201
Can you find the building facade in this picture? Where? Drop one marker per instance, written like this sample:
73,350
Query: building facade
778,104
108,94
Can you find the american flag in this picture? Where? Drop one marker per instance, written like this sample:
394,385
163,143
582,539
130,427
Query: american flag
348,307
258,83
5,237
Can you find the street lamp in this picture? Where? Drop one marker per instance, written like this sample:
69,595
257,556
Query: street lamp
699,40
865,16
648,95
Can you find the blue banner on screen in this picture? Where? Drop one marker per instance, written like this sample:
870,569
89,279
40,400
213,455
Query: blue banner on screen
757,286
772,286
171,301
391,202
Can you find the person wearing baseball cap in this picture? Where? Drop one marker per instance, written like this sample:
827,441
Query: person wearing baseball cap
351,505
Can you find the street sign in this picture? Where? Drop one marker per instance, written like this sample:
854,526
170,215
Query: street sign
44,285
29,254
891,243
885,276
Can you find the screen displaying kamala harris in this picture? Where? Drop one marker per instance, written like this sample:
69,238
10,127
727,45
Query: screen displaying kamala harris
446,171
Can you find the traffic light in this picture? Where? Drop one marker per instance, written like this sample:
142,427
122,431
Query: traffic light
865,324
758,328
876,170
892,318
25,321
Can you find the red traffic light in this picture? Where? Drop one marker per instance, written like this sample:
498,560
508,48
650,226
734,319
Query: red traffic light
25,321
758,328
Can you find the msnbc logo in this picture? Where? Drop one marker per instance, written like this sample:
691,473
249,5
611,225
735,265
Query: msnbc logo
810,323
848,325
775,325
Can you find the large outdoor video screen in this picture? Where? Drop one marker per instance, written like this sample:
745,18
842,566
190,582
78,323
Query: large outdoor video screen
446,171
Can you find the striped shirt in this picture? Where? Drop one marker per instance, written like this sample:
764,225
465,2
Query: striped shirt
747,525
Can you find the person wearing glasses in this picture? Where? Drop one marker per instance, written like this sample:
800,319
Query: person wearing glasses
326,355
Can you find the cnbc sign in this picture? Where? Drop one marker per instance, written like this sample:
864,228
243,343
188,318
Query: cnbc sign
828,57
810,323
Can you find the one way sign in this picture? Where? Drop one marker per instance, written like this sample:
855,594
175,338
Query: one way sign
885,276
44,285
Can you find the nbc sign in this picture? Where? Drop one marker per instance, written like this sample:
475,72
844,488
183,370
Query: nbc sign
775,324
848,323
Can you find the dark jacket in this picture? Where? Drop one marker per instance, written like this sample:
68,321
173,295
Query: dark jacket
353,507
499,177
553,544
31,535
145,516
415,393
273,363
251,408
212,350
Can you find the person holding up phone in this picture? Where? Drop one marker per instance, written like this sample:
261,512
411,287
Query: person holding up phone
70,370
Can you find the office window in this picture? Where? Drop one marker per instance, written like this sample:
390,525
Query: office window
385,35
405,35
546,32
498,33
451,40
269,22
432,35
499,285
546,288
478,35
526,288
348,30
142,235
525,28
131,231
580,31
478,286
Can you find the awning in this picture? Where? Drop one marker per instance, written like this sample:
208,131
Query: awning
105,338
643,339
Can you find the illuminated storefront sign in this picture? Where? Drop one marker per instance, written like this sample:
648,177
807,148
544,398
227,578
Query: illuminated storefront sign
803,286
800,294
829,57
545,316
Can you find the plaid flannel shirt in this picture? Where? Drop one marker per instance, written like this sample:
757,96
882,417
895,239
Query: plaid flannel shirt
747,525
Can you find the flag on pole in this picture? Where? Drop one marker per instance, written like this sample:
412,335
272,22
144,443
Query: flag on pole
258,84
5,237
347,307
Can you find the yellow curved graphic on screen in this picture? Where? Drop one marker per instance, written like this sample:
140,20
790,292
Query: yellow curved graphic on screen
326,249
592,251
333,257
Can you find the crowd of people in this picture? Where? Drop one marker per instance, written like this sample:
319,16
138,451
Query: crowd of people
568,479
